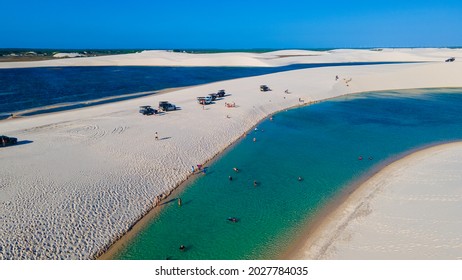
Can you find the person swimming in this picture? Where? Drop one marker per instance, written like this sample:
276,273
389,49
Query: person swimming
232,219
235,169
255,183
300,178
230,178
182,248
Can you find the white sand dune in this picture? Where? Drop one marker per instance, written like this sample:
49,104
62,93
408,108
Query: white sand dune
409,210
68,55
87,175
276,58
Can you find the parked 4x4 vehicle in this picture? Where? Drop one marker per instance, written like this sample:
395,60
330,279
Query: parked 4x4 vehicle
6,141
264,88
166,106
204,100
147,110
221,93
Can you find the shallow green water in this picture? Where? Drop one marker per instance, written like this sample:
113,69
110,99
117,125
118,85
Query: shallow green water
322,144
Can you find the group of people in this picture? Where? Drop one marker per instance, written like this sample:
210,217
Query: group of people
230,219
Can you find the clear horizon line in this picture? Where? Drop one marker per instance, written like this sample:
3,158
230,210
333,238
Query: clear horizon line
218,49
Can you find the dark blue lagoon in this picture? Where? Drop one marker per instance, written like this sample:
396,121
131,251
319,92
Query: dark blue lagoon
58,88
331,145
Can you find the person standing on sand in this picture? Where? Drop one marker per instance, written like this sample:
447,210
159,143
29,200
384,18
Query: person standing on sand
156,136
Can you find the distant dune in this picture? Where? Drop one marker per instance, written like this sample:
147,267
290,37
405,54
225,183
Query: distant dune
276,58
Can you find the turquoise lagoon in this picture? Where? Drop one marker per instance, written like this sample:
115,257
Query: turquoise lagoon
321,143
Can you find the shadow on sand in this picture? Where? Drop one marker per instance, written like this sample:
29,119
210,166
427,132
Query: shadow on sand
19,143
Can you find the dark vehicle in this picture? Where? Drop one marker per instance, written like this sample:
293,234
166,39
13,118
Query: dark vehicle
7,141
147,110
166,106
451,59
221,93
264,88
213,96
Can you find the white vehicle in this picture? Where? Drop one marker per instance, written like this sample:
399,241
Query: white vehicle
166,106
204,100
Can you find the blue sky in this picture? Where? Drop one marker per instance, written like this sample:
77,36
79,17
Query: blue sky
230,24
